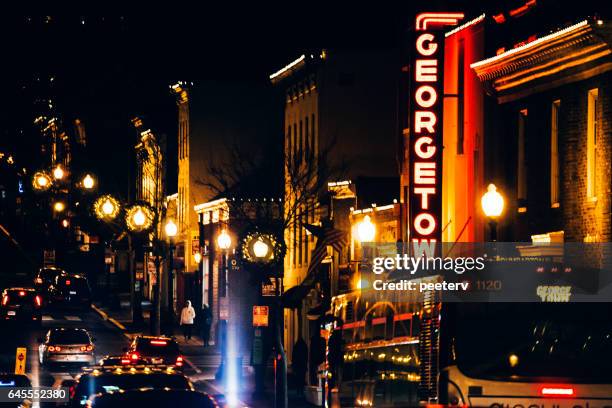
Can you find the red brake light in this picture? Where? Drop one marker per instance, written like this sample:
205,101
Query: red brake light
179,361
159,342
89,348
55,348
22,293
38,300
134,356
67,282
557,391
5,300
51,348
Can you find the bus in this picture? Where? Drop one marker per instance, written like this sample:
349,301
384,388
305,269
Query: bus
418,350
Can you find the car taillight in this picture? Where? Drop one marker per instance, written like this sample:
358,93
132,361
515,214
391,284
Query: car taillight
55,348
83,348
38,300
557,391
179,361
22,293
134,356
38,280
89,348
67,282
5,300
159,342
125,361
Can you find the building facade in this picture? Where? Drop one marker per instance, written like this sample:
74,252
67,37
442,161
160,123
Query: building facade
339,121
549,115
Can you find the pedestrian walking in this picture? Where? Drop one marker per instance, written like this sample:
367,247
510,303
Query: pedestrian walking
187,316
206,324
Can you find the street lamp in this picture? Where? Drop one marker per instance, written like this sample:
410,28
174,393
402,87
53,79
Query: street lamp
260,248
58,172
139,218
88,182
197,257
171,230
366,230
59,206
492,205
41,181
224,240
106,208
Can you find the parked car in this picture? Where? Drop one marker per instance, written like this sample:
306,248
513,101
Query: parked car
156,350
152,397
21,304
66,346
70,290
111,379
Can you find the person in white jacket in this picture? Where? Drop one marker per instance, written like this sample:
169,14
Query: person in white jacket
187,316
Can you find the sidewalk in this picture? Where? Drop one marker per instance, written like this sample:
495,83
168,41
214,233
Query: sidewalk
203,362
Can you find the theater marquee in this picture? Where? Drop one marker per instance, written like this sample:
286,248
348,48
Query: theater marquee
427,91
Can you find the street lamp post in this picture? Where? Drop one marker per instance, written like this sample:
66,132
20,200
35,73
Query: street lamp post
492,205
366,233
224,241
171,230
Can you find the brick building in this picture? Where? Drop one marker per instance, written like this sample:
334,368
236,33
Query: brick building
340,110
548,129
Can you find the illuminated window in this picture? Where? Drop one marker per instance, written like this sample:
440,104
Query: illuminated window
554,154
521,170
300,150
592,114
306,139
313,135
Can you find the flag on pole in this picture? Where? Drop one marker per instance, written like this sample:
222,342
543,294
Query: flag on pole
326,236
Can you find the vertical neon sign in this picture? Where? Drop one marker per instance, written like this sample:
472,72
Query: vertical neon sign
425,156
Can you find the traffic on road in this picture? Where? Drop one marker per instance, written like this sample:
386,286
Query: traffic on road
53,340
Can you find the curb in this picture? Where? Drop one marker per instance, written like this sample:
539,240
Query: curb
128,336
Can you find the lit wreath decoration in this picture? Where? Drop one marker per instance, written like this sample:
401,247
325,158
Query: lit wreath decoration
252,245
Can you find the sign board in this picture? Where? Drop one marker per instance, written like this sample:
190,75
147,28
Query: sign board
195,244
426,125
269,287
20,360
260,316
139,271
49,257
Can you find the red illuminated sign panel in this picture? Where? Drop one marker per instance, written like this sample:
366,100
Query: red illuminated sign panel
425,203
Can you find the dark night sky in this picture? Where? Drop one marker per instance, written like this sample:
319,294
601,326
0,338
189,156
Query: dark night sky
108,69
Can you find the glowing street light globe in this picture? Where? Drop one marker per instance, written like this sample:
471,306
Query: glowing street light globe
139,218
106,208
59,206
224,240
197,257
260,248
171,229
88,182
492,202
58,172
41,181
366,230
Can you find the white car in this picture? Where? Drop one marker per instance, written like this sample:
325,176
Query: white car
66,346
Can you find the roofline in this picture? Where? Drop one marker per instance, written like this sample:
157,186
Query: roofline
529,45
